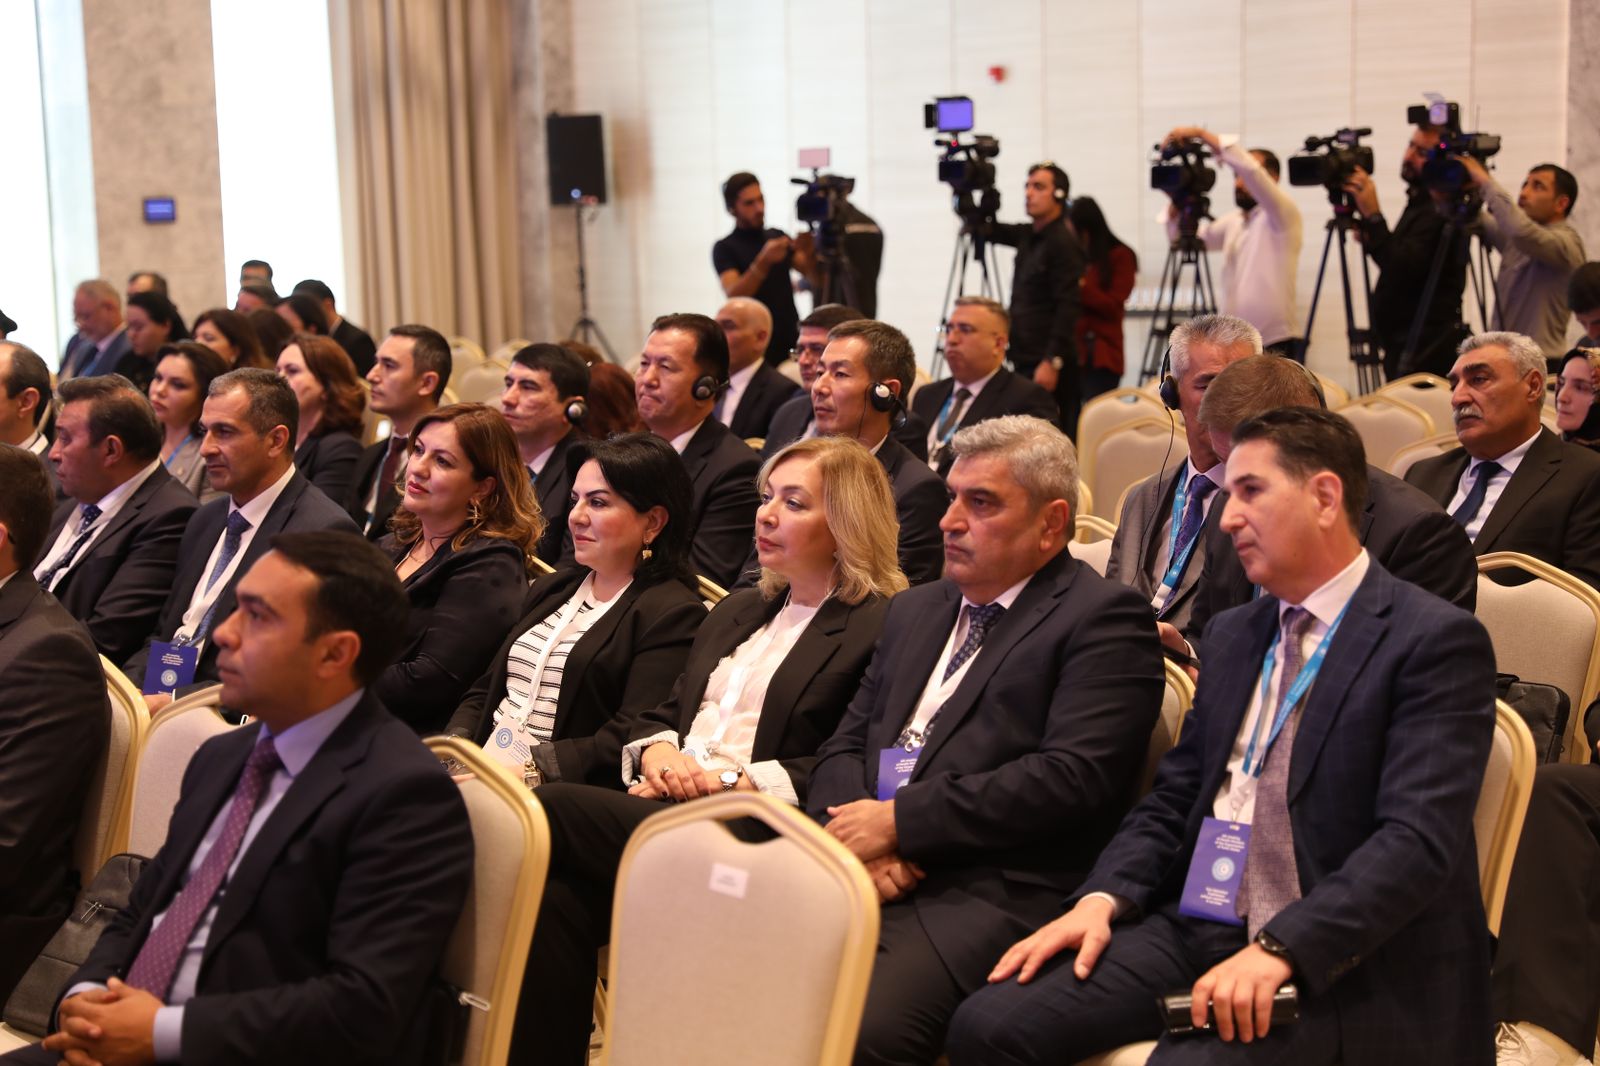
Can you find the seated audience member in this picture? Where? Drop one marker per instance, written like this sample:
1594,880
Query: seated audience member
316,861
466,525
333,405
1018,695
255,270
792,420
1398,524
250,418
146,281
1513,484
604,640
755,391
112,549
230,335
256,296
272,331
1360,879
24,398
1576,415
1105,287
178,390
53,721
101,342
1583,300
153,322
769,674
1161,542
407,380
356,341
683,367
979,386
545,389
612,407
303,313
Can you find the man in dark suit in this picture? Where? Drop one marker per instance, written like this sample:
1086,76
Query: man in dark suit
755,390
682,369
1400,526
1513,484
545,388
53,721
979,386
24,398
993,746
112,548
356,341
316,861
407,378
1348,869
250,417
1157,556
101,343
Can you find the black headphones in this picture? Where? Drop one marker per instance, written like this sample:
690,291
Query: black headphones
883,398
1168,389
705,387
577,409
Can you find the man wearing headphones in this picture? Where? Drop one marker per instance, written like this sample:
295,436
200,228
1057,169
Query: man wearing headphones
1045,295
683,367
755,261
544,405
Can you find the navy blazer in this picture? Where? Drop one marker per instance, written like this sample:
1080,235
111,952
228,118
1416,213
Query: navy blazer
1387,763
80,359
337,914
723,471
1005,394
328,461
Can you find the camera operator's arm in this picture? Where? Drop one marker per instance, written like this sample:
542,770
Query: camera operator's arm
1376,237
772,254
1272,197
805,259
1010,234
1212,236
1505,223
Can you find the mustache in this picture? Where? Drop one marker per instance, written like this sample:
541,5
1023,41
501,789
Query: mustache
1467,410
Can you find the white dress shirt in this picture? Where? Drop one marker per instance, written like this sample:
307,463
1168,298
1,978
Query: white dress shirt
738,382
938,689
933,430
255,512
1497,484
38,444
681,441
109,505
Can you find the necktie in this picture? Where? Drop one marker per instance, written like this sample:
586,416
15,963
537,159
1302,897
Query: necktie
1271,877
952,417
1475,496
391,463
979,621
85,529
1194,513
157,962
237,524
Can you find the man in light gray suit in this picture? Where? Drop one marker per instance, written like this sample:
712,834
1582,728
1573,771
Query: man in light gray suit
1159,548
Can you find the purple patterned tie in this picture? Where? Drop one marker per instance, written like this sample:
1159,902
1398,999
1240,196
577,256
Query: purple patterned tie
157,962
1271,877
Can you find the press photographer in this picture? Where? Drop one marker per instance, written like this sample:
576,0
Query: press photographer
755,261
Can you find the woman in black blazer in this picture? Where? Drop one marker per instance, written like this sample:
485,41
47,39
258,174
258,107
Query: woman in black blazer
767,681
460,542
633,502
332,405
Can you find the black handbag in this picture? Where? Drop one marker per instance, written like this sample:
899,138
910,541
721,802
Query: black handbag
33,1001
1545,708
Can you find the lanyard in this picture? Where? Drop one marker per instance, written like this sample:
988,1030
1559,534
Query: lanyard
175,451
1178,561
928,708
1252,767
937,422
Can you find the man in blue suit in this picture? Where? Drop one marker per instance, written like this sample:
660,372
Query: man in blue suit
1341,730
101,343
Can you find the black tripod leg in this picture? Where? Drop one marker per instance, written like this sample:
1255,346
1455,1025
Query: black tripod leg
1414,334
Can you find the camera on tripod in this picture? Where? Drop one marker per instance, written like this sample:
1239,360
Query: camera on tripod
1329,161
1442,169
822,201
965,165
1180,171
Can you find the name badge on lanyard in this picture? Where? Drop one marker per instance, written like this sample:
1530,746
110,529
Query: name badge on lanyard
1177,561
895,767
171,666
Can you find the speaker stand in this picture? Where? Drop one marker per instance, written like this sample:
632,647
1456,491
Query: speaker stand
585,327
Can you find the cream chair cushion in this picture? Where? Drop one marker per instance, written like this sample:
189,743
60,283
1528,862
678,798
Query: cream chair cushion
1130,453
1386,425
175,734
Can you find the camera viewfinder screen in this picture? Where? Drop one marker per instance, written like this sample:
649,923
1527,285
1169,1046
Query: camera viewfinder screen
955,113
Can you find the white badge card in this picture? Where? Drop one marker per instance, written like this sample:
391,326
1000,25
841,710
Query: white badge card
509,746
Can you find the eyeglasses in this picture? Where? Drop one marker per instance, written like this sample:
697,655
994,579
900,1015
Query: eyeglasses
813,350
966,329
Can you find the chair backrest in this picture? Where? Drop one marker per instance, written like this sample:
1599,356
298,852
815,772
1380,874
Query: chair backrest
540,566
483,383
1386,424
464,353
1089,528
791,370
103,824
1106,412
488,949
755,444
1086,499
1130,453
1545,630
1097,554
1333,393
503,354
922,378
710,591
1429,393
684,881
175,734
1427,448
1175,703
1547,416
1502,804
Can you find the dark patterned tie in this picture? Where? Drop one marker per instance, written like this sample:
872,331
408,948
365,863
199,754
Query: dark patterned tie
391,463
85,530
1194,513
237,524
980,619
157,962
1477,494
1271,877
952,417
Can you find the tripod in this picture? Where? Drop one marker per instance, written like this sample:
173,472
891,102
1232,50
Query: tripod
1188,252
1363,352
1481,275
837,277
970,245
585,326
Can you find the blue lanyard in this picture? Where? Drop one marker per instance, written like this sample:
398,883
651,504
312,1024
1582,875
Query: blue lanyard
948,400
1178,560
1297,692
175,451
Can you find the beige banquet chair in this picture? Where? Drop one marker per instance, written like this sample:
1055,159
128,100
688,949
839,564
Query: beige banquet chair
1091,542
103,825
1412,454
1386,425
1429,393
503,354
175,734
464,353
1106,412
711,592
1127,455
1334,394
686,881
483,383
1176,701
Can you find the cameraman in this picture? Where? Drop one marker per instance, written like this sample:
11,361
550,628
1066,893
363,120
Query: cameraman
1405,257
1045,292
755,261
1260,242
1538,249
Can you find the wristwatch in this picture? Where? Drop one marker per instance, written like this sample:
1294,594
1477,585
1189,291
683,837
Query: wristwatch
531,775
1057,362
1274,947
729,779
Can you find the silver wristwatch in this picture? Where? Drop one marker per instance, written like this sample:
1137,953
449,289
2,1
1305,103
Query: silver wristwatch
729,779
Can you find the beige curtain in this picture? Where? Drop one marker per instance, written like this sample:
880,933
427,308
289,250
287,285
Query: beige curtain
425,119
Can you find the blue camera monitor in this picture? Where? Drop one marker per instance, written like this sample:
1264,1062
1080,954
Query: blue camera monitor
949,114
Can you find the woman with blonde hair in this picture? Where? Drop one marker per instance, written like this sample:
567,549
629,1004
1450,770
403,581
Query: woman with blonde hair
461,541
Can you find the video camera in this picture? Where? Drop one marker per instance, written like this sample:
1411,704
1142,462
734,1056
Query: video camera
1442,170
1329,162
1180,171
965,165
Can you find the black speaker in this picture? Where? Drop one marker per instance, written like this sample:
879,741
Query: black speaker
576,150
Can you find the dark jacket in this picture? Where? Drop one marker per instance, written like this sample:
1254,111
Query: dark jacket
723,471
554,489
368,467
328,461
1405,256
1004,394
767,391
357,344
1045,297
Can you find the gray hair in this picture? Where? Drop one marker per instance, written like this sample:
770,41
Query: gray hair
1525,353
1042,459
1222,331
994,307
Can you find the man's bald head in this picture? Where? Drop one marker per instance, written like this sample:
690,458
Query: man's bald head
748,325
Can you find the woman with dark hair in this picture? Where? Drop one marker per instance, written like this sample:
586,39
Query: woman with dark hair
461,541
332,403
178,388
272,331
612,407
152,321
1105,288
304,314
1577,416
600,642
230,335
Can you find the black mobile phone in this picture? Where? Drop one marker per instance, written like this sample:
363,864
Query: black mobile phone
1175,1016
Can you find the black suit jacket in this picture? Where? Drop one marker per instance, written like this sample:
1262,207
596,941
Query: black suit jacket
80,355
301,507
554,489
328,461
462,605
1004,394
117,585
808,692
723,470
53,722
1027,767
1388,759
1550,509
357,344
626,662
368,467
1140,533
338,912
1400,527
768,390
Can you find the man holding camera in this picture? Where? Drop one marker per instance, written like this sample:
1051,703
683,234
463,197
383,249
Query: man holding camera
1260,242
755,261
